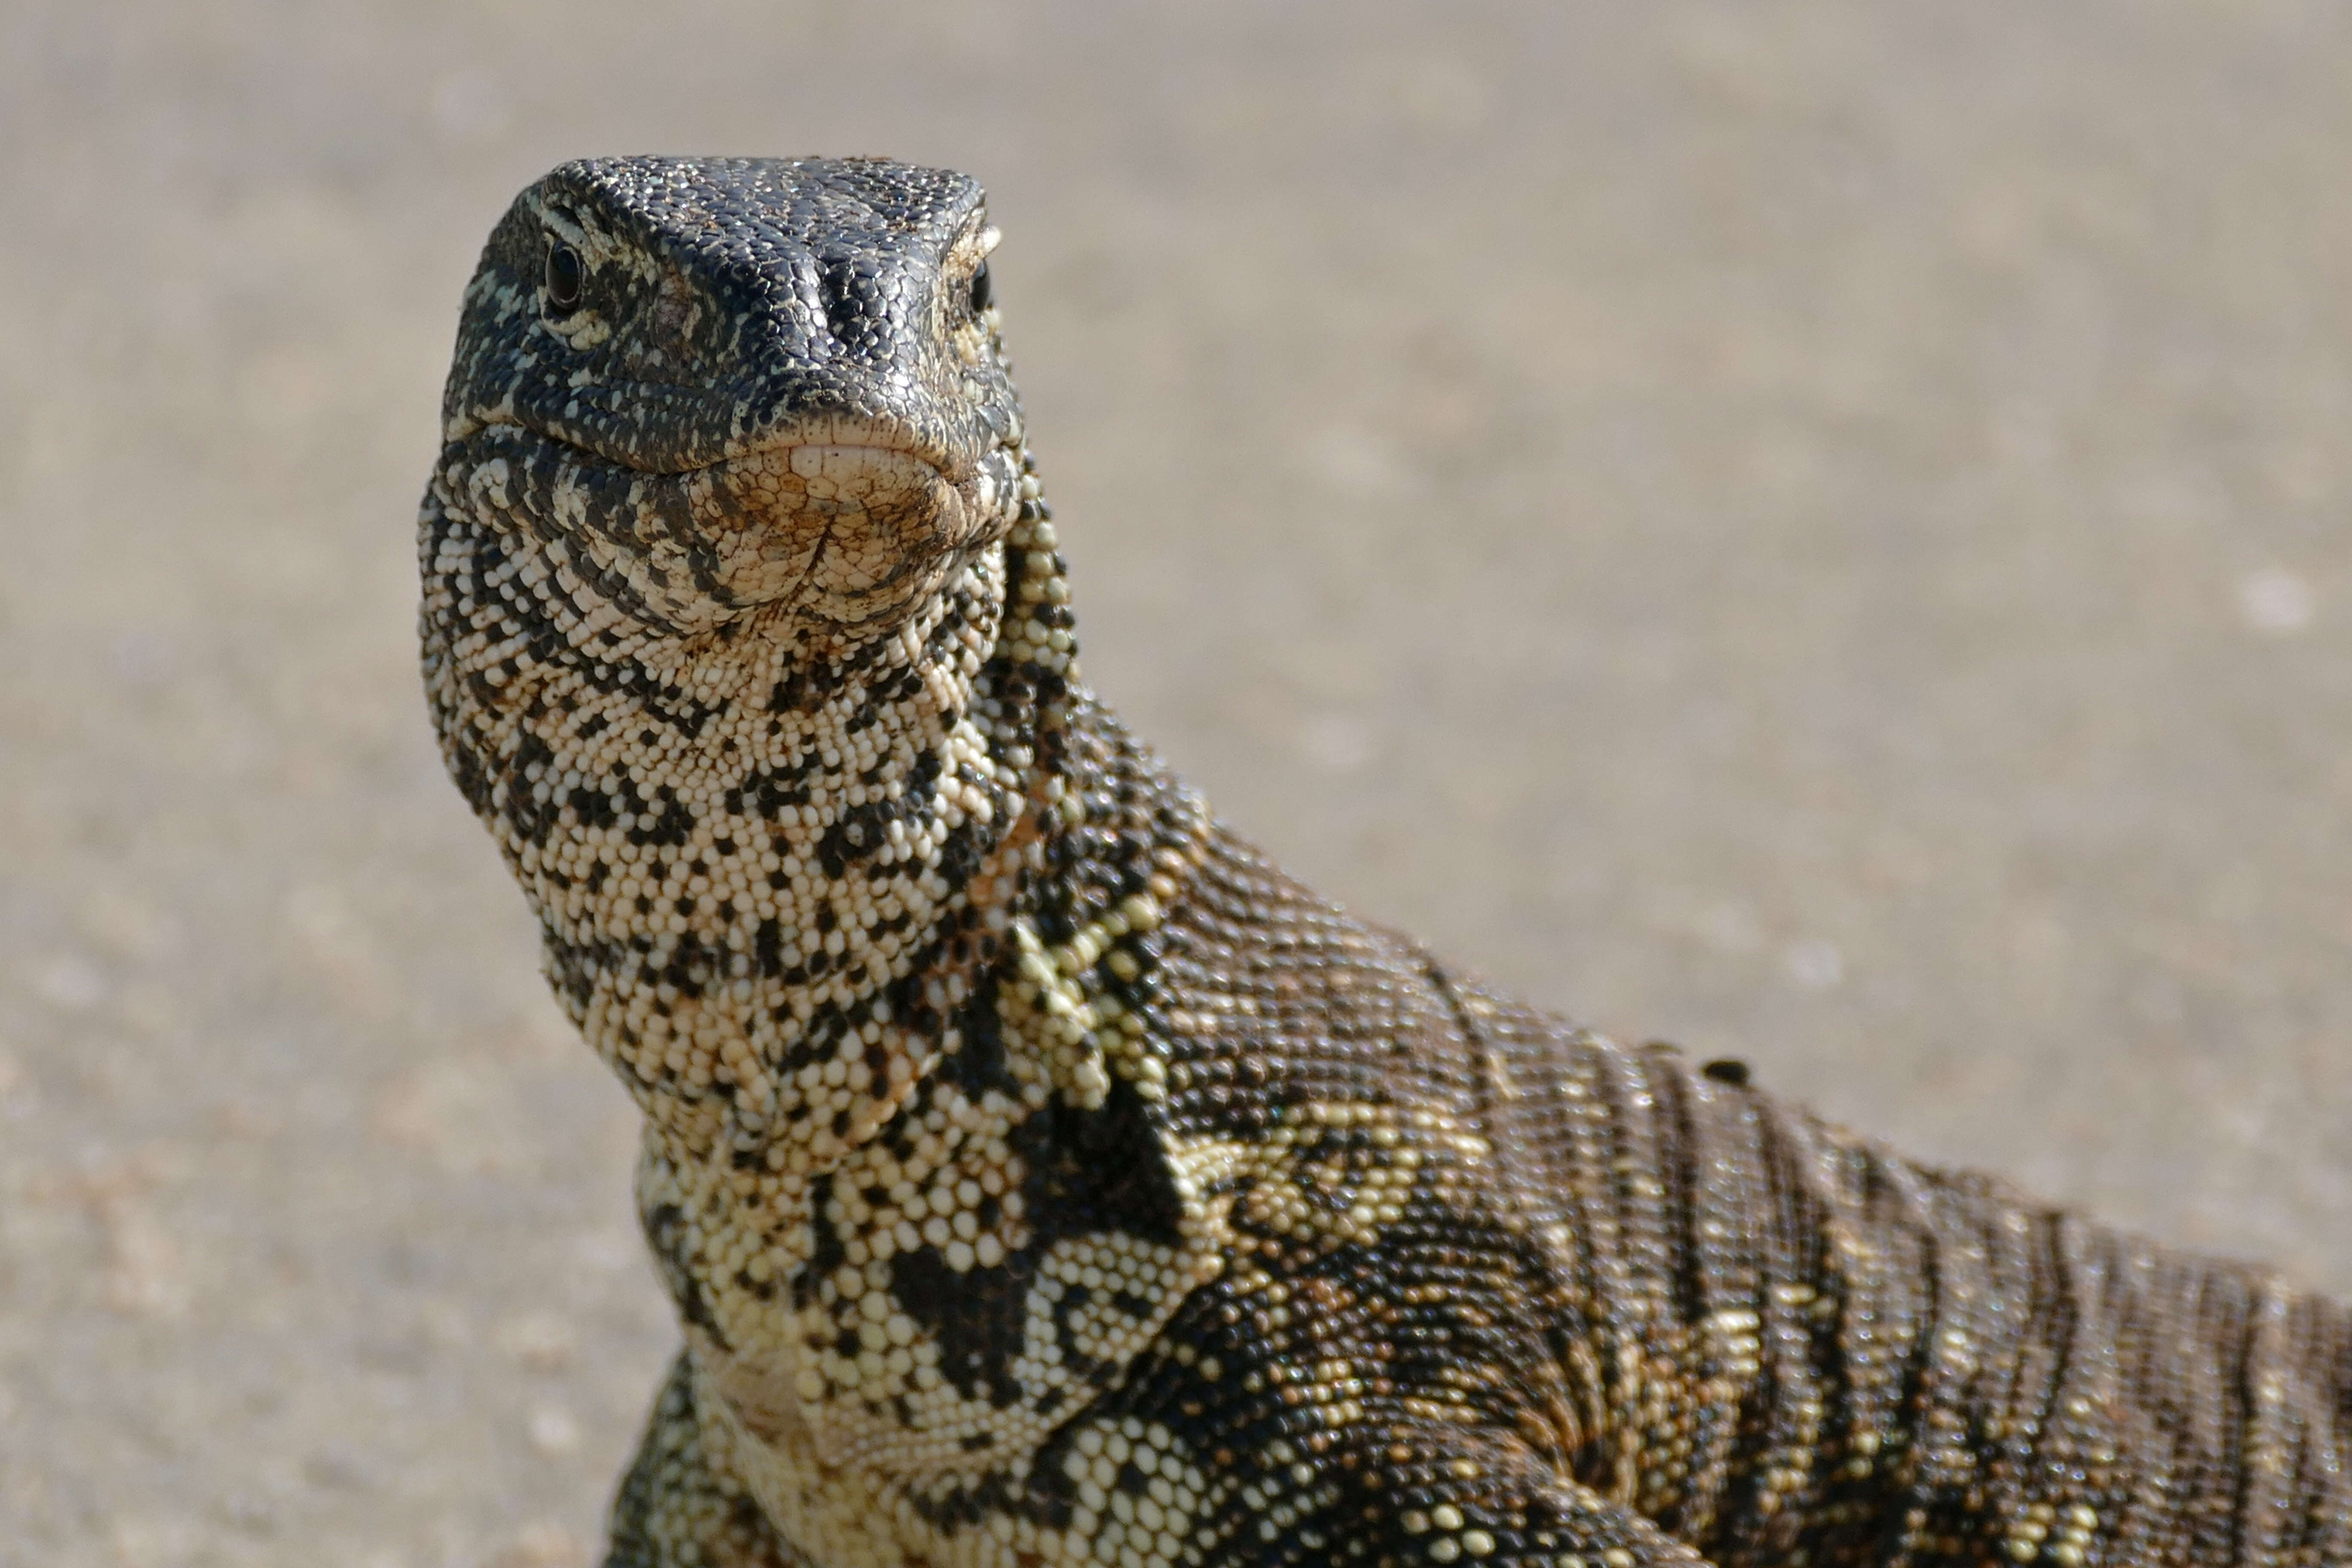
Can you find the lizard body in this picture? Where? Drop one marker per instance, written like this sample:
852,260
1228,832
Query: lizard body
1041,1175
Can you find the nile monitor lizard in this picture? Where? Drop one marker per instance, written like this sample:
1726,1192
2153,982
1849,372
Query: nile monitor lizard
1040,1174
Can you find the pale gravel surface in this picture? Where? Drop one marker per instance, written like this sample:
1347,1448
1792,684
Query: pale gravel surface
1817,530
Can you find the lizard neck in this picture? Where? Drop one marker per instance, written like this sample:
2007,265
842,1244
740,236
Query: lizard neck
870,928
770,866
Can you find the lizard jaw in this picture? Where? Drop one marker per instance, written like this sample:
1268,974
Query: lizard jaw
847,534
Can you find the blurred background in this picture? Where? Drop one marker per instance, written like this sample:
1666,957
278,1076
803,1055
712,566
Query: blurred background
1813,530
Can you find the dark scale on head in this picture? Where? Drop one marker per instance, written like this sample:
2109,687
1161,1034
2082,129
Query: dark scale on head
1045,1178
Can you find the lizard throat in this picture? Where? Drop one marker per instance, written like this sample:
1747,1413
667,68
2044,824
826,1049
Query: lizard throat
770,871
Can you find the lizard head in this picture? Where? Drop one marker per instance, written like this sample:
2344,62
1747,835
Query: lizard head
742,387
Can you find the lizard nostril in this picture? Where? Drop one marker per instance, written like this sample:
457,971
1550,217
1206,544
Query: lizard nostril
858,307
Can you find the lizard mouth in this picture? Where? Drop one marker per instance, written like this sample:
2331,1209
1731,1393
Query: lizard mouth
839,523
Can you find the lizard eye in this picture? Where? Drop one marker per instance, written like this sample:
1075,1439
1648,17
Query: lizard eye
983,292
565,273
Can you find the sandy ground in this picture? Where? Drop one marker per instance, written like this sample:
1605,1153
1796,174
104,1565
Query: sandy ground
1817,530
